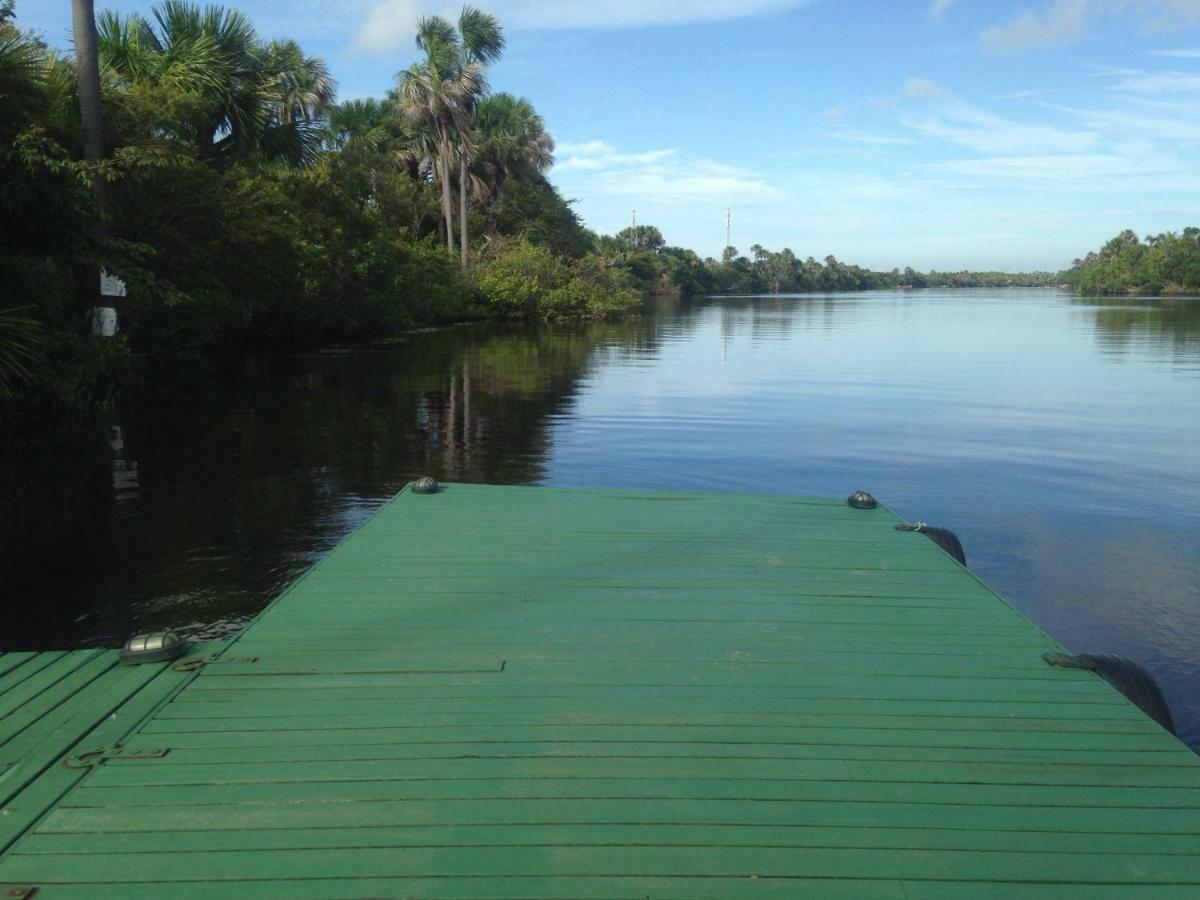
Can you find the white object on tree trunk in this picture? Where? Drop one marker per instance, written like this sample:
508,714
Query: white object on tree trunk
104,321
111,285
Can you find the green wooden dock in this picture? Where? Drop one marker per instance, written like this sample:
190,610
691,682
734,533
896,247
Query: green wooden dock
535,692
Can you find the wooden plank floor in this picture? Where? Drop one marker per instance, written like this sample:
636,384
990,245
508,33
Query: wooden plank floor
533,692
57,706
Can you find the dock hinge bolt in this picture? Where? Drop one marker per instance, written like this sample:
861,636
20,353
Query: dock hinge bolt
94,757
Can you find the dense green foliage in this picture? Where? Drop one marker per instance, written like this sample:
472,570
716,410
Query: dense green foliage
243,205
1165,263
516,279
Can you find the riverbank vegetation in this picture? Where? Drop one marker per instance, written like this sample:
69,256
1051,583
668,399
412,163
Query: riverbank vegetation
241,204
1166,263
217,175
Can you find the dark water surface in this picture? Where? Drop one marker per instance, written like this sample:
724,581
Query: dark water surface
1059,437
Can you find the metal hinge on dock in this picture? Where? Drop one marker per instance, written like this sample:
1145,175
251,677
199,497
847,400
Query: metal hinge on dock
93,757
190,665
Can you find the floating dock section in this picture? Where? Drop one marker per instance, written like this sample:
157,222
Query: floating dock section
534,692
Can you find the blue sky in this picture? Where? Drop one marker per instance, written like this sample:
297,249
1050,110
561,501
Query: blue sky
940,134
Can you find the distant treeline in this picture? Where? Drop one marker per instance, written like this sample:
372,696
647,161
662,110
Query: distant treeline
784,273
1166,263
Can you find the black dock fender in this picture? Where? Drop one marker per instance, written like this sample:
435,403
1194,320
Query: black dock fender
1138,685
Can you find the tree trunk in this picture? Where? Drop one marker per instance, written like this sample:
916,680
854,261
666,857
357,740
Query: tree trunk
462,209
87,66
447,204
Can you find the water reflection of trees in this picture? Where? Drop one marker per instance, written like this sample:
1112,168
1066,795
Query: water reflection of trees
1168,322
245,477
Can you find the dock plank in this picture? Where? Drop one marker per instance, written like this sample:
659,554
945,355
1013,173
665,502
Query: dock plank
576,693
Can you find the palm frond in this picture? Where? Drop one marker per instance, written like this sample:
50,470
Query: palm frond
432,30
20,348
481,35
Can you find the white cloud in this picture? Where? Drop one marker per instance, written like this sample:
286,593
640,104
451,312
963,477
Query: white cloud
1112,150
937,7
870,138
657,177
950,119
922,89
1165,121
1064,21
1158,82
595,156
1177,54
584,148
1022,95
1063,170
390,23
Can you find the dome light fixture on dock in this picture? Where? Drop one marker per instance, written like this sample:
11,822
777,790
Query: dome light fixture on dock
425,485
156,647
861,500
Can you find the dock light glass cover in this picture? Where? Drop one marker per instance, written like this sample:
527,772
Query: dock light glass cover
156,647
425,485
861,500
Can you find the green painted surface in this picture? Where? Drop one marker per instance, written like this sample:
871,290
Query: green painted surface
566,693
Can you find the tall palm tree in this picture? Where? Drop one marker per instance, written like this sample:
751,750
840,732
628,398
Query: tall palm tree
443,91
482,42
87,65
436,92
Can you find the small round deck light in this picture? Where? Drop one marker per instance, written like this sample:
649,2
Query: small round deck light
861,500
425,485
155,647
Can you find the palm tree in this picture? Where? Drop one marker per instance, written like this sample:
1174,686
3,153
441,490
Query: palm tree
436,92
242,97
443,91
510,138
20,341
87,66
22,71
358,123
482,43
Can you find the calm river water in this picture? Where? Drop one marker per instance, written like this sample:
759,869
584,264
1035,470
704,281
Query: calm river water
1060,438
